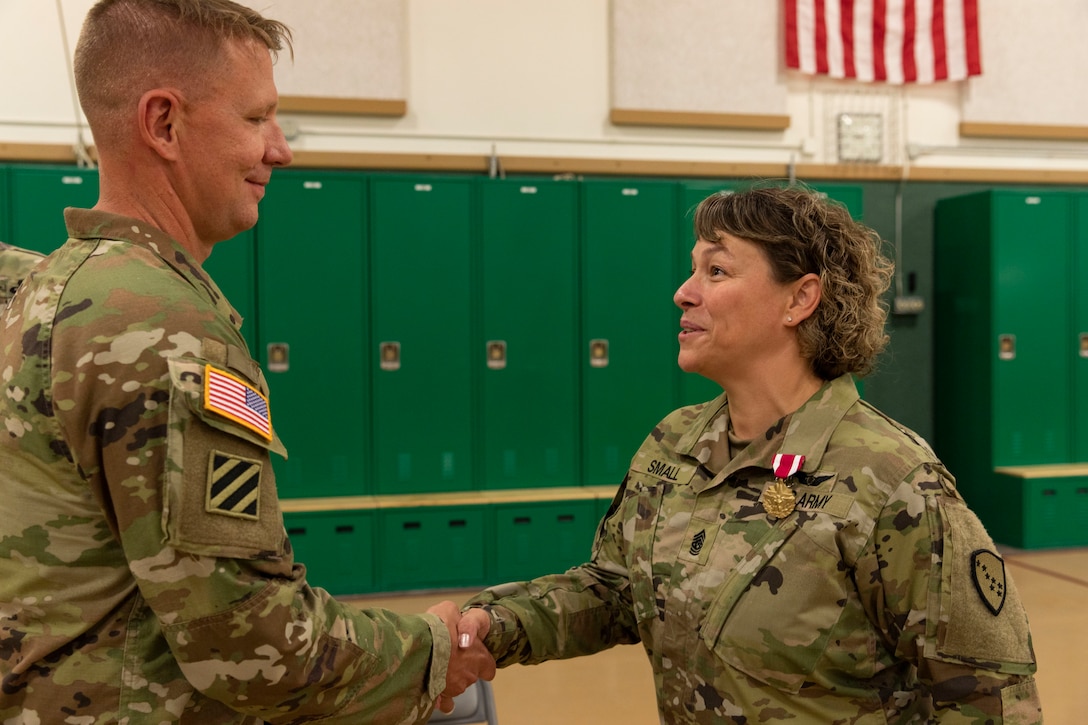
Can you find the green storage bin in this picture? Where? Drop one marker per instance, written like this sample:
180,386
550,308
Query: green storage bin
337,548
527,352
311,291
1039,512
534,539
39,195
432,547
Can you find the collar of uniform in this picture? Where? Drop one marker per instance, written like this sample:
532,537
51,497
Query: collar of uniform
806,431
93,224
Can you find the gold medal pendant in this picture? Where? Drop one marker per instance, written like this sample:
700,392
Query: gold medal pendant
779,500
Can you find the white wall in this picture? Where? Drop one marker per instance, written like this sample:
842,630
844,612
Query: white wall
534,78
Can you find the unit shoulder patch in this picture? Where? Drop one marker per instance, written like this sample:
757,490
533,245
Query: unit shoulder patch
988,574
234,486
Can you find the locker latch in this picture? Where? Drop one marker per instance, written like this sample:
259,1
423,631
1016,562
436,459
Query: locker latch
1084,344
390,355
496,354
279,357
1006,347
598,353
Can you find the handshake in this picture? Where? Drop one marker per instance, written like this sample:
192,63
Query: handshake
470,660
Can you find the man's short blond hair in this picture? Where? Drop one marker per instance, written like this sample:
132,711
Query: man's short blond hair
128,47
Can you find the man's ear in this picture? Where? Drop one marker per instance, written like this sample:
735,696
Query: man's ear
158,116
806,296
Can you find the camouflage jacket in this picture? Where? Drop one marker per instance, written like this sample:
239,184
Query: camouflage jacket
15,263
867,603
145,574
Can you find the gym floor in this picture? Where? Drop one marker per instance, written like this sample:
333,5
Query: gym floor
616,686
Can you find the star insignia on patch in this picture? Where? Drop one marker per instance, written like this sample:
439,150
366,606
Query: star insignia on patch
988,573
234,486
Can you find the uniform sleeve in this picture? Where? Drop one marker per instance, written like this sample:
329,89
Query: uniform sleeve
190,494
585,610
934,584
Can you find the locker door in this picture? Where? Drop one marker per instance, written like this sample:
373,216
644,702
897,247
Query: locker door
421,244
849,196
1078,337
694,388
629,323
311,285
527,356
39,195
5,208
233,266
1031,320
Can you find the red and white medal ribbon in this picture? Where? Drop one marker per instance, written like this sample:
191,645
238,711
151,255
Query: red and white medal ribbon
785,465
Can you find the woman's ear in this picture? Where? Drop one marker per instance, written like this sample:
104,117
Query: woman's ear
806,296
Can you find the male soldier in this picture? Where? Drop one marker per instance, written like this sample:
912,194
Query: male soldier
145,575
15,264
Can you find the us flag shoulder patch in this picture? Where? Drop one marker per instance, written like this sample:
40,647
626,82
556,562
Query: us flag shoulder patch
233,398
234,486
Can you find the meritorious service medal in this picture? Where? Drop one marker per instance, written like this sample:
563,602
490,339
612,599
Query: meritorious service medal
778,498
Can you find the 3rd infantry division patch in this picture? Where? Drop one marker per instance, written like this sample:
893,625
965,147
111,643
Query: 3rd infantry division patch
234,486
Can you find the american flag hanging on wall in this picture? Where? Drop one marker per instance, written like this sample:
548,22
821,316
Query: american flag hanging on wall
887,41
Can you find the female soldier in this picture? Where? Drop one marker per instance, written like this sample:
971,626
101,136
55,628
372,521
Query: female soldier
786,551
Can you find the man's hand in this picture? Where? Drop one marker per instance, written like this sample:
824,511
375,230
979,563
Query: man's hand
469,659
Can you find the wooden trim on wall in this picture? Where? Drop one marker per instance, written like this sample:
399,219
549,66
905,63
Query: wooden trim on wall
691,119
63,154
343,106
44,152
1037,132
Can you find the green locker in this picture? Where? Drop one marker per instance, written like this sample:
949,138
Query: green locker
629,321
39,195
1042,511
233,266
1078,339
851,197
527,356
312,323
1007,351
432,547
421,305
535,539
337,548
694,388
5,206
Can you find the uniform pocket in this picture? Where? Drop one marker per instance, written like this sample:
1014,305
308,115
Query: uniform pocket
774,616
641,556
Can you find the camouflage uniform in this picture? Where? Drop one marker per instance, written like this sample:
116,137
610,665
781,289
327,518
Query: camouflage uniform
15,264
858,607
145,574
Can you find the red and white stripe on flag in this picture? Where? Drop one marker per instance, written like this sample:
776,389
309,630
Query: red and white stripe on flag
237,400
888,41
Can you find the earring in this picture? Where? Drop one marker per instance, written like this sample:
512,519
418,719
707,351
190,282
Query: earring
789,319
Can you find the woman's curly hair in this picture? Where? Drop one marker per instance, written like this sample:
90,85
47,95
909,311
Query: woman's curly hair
800,231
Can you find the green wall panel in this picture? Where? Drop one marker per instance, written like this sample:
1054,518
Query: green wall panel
311,296
629,322
420,302
233,266
527,354
39,195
